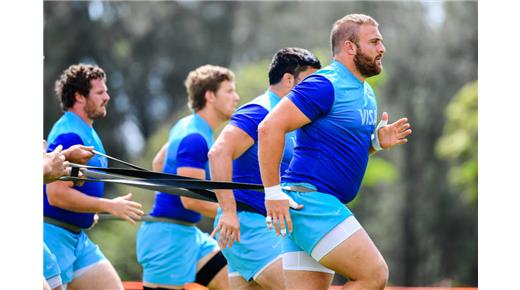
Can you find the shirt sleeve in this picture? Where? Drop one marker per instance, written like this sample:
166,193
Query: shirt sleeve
314,96
66,140
192,152
248,118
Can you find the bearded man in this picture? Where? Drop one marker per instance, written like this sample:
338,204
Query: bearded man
334,112
69,209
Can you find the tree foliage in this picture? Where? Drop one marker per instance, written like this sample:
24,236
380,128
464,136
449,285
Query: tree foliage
458,143
409,202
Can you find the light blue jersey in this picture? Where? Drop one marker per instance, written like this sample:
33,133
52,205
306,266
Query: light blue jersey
169,252
258,247
332,151
70,130
73,251
245,167
188,145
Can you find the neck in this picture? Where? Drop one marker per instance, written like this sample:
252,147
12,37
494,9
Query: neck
82,114
210,117
279,89
351,66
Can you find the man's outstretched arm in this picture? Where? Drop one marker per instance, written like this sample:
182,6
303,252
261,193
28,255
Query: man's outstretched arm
230,145
286,117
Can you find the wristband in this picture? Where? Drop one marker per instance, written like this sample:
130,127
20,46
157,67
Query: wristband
275,193
375,136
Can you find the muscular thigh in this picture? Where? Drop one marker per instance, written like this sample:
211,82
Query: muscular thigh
239,283
272,276
303,280
219,273
99,276
355,257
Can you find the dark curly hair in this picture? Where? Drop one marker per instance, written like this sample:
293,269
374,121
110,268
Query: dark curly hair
76,79
292,60
203,79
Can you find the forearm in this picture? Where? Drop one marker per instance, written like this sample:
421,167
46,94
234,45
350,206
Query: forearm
271,142
158,160
221,168
206,208
74,200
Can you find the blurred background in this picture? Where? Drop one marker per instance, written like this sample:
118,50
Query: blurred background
418,202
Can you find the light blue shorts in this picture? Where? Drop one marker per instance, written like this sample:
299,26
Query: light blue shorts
169,252
51,270
321,213
257,249
74,252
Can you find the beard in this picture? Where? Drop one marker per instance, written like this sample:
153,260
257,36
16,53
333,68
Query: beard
365,65
95,112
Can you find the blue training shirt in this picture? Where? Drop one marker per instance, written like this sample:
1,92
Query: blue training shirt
188,145
332,151
70,130
245,167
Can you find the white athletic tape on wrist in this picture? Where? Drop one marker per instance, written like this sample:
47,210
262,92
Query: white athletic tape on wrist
275,193
375,135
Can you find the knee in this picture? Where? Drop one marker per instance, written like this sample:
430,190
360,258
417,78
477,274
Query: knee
380,276
374,278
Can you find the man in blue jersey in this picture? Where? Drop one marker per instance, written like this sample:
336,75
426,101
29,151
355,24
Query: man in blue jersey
172,250
255,259
54,166
55,163
70,209
335,113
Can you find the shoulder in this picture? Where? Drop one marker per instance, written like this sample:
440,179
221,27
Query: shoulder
262,101
315,84
252,109
65,139
194,139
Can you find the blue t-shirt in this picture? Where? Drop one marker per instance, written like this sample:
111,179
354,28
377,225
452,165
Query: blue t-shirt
70,130
188,145
245,167
332,151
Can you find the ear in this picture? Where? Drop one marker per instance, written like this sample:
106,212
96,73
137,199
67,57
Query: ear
288,79
209,96
350,47
80,99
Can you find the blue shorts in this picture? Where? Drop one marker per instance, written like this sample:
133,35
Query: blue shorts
321,213
169,252
50,264
73,251
257,249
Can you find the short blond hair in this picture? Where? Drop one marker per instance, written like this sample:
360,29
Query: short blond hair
347,28
203,79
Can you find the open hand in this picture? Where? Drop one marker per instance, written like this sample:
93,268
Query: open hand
395,133
229,228
124,208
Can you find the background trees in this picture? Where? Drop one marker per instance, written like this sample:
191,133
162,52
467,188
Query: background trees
418,202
